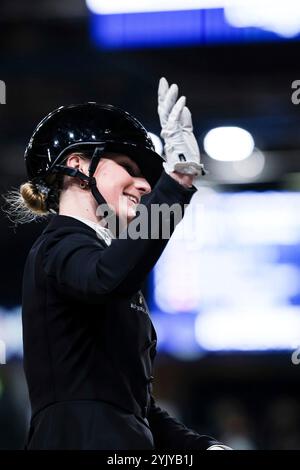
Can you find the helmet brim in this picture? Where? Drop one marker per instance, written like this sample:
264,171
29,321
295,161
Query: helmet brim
148,161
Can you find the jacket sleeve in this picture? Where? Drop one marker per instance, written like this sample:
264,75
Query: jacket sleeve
171,434
85,269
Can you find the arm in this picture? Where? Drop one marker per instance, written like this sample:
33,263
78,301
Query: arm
169,433
86,270
180,144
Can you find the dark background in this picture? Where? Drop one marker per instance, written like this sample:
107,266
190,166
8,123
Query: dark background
48,60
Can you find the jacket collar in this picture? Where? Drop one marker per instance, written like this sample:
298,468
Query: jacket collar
66,220
102,232
58,220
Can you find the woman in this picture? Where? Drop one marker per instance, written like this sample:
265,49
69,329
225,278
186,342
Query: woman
89,343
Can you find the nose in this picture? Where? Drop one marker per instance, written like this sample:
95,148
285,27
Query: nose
142,185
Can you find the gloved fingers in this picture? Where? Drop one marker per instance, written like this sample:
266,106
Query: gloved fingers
166,106
186,120
174,116
163,87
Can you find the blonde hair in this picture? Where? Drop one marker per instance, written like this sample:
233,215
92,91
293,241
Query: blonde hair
35,200
27,203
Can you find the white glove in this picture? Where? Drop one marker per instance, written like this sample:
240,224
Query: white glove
181,148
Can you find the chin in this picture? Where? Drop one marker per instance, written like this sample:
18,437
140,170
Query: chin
127,214
130,218
131,213
126,217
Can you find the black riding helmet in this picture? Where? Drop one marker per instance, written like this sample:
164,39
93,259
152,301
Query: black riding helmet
90,126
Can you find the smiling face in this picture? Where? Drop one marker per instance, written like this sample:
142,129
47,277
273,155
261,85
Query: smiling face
121,183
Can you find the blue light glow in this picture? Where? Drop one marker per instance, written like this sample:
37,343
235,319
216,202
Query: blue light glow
146,29
11,332
233,265
158,24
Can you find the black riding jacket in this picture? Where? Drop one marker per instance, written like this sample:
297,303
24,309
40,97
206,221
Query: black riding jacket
87,330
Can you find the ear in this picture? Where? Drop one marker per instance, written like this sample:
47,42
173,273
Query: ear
77,160
73,160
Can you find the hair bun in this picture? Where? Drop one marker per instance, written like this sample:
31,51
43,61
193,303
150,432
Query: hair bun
35,197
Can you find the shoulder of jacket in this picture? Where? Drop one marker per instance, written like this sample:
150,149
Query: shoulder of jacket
69,236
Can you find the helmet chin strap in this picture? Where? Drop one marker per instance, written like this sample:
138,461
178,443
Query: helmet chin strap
92,184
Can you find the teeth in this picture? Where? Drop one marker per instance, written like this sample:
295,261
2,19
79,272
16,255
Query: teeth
132,198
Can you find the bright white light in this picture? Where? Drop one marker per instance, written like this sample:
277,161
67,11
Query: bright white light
250,167
247,330
181,293
281,17
104,7
267,218
156,142
2,352
11,331
228,143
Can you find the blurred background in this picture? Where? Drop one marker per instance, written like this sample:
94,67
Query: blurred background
225,298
